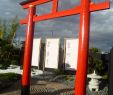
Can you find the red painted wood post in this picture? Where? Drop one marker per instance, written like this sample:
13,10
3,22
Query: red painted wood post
28,52
81,74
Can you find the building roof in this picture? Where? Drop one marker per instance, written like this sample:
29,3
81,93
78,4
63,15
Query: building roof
27,1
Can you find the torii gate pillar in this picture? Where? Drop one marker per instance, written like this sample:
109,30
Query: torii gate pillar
28,52
83,50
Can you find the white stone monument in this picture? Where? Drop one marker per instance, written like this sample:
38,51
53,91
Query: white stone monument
71,53
52,53
94,83
36,51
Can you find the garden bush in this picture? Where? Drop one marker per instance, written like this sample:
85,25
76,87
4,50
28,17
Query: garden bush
7,79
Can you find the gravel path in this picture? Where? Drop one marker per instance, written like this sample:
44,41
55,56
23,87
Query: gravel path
50,84
46,88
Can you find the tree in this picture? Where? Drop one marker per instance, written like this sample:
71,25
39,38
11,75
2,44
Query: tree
95,50
8,31
2,29
8,53
95,62
14,25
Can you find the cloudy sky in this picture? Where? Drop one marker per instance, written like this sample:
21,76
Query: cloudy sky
101,30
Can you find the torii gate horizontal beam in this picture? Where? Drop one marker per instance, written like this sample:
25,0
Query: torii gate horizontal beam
73,11
26,4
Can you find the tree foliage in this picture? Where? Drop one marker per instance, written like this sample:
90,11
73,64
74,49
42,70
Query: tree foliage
2,29
95,61
95,50
12,30
8,53
8,31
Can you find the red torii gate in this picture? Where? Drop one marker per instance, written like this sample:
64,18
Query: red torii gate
84,10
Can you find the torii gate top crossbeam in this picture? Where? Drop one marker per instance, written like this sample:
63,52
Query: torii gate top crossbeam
56,14
26,4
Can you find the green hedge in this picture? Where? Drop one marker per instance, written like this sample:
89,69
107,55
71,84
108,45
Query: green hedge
9,76
7,80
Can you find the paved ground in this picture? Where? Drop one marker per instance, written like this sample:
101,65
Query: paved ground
45,87
38,87
42,88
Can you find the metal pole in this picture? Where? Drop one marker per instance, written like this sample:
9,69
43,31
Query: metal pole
81,74
28,52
